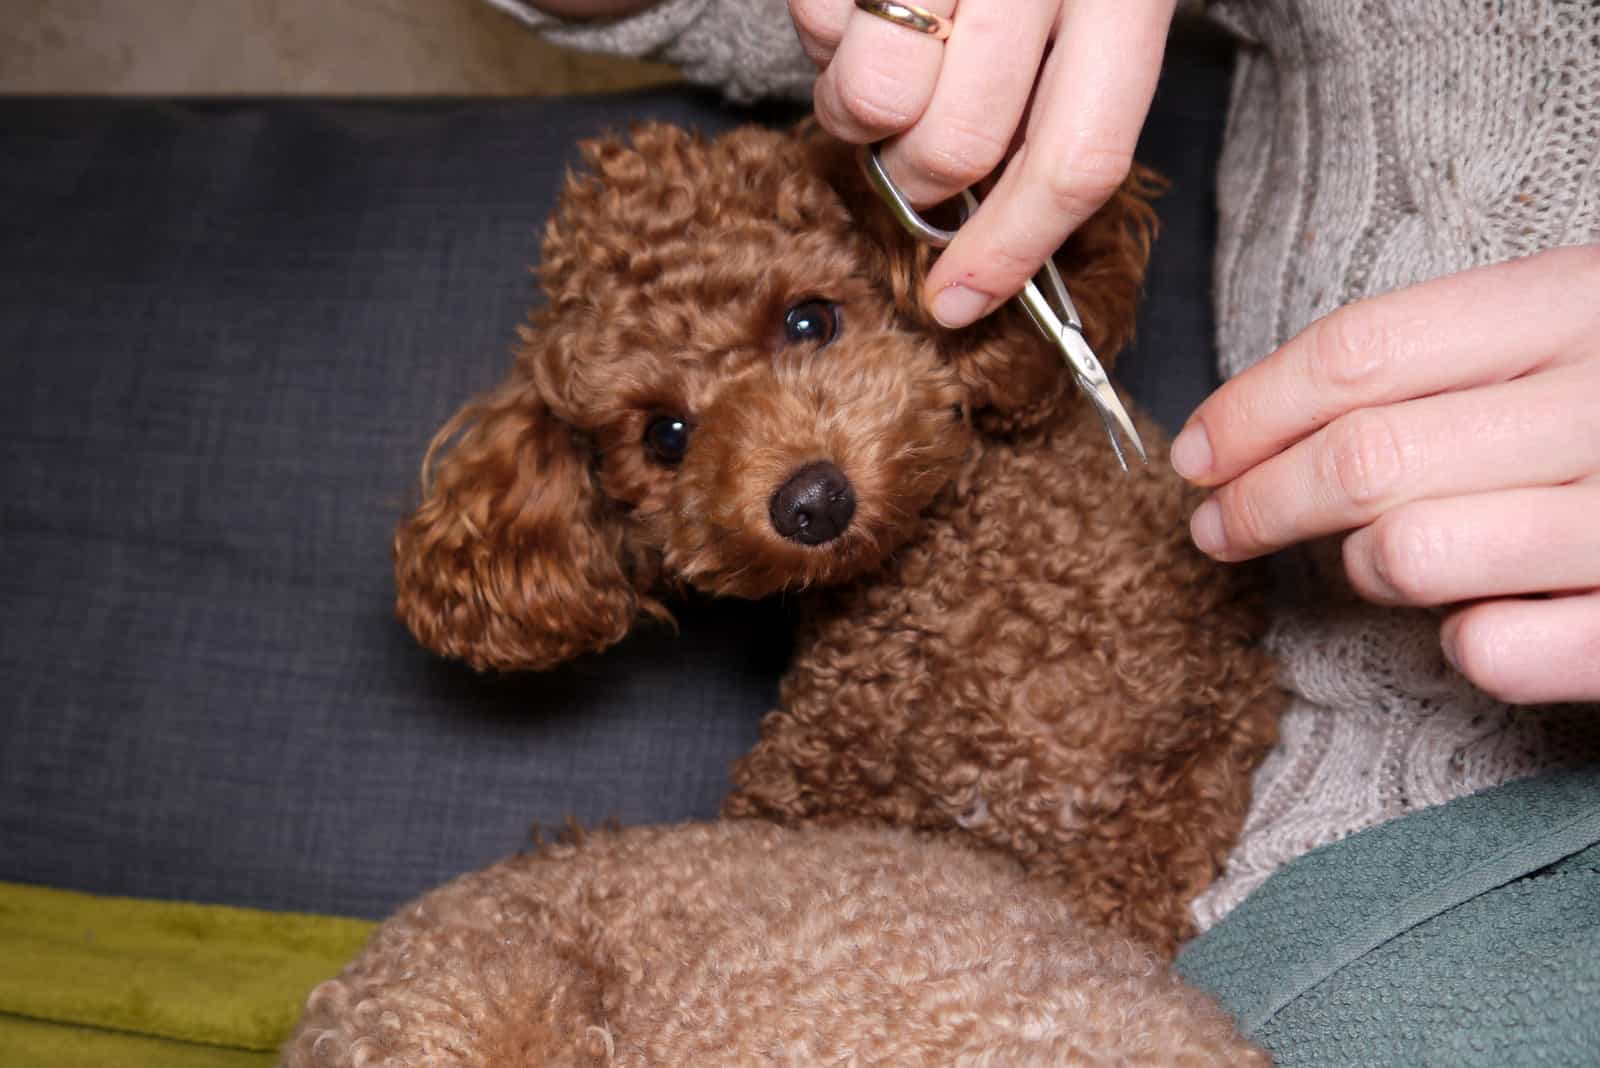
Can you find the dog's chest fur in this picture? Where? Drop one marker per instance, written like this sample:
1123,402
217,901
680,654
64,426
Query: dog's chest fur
1040,668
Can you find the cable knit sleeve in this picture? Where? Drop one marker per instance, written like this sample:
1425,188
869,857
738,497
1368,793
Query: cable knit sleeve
1372,146
746,48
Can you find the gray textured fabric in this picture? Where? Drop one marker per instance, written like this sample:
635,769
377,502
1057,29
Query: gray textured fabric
1373,146
747,49
229,330
1466,934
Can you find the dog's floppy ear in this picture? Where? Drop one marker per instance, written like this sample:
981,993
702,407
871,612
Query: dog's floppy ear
513,560
1013,377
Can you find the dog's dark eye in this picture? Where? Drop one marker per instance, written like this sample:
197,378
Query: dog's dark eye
668,437
811,320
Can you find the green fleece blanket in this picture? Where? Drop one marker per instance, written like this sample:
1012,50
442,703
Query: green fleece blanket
96,981
1464,935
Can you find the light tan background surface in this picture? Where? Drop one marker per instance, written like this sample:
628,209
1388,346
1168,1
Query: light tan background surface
337,47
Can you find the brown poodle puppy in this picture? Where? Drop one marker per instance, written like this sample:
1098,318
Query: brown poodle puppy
745,943
734,388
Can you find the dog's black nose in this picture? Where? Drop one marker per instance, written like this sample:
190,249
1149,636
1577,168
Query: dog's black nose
814,506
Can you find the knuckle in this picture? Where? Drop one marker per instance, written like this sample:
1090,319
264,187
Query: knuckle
962,155
1086,182
808,18
874,102
1406,555
1000,262
1248,525
1366,458
1348,351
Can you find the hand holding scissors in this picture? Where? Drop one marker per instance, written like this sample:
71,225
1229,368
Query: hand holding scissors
1049,95
1044,298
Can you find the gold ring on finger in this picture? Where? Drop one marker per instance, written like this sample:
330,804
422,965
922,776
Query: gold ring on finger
910,16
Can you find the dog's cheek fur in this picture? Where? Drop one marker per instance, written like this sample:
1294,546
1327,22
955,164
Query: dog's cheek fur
883,410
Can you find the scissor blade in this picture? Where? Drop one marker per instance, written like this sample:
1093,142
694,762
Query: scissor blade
1102,394
1056,291
1054,314
1085,366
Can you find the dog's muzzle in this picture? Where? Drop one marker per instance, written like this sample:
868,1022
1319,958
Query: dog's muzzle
814,506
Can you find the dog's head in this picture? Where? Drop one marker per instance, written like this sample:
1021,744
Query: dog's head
733,387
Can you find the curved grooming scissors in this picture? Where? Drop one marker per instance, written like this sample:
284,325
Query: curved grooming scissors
1050,308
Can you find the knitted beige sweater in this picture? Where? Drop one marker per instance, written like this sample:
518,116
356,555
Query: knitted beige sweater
1370,145
745,48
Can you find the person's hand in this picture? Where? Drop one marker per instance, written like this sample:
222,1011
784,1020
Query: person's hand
1065,84
1454,427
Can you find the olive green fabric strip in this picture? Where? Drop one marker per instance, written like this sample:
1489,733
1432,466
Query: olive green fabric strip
34,1044
190,984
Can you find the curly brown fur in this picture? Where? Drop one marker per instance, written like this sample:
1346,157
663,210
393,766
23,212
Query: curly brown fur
1008,637
1078,686
745,943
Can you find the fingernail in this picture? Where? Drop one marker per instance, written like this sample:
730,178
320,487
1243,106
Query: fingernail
1206,529
956,306
1364,567
1447,644
1191,452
